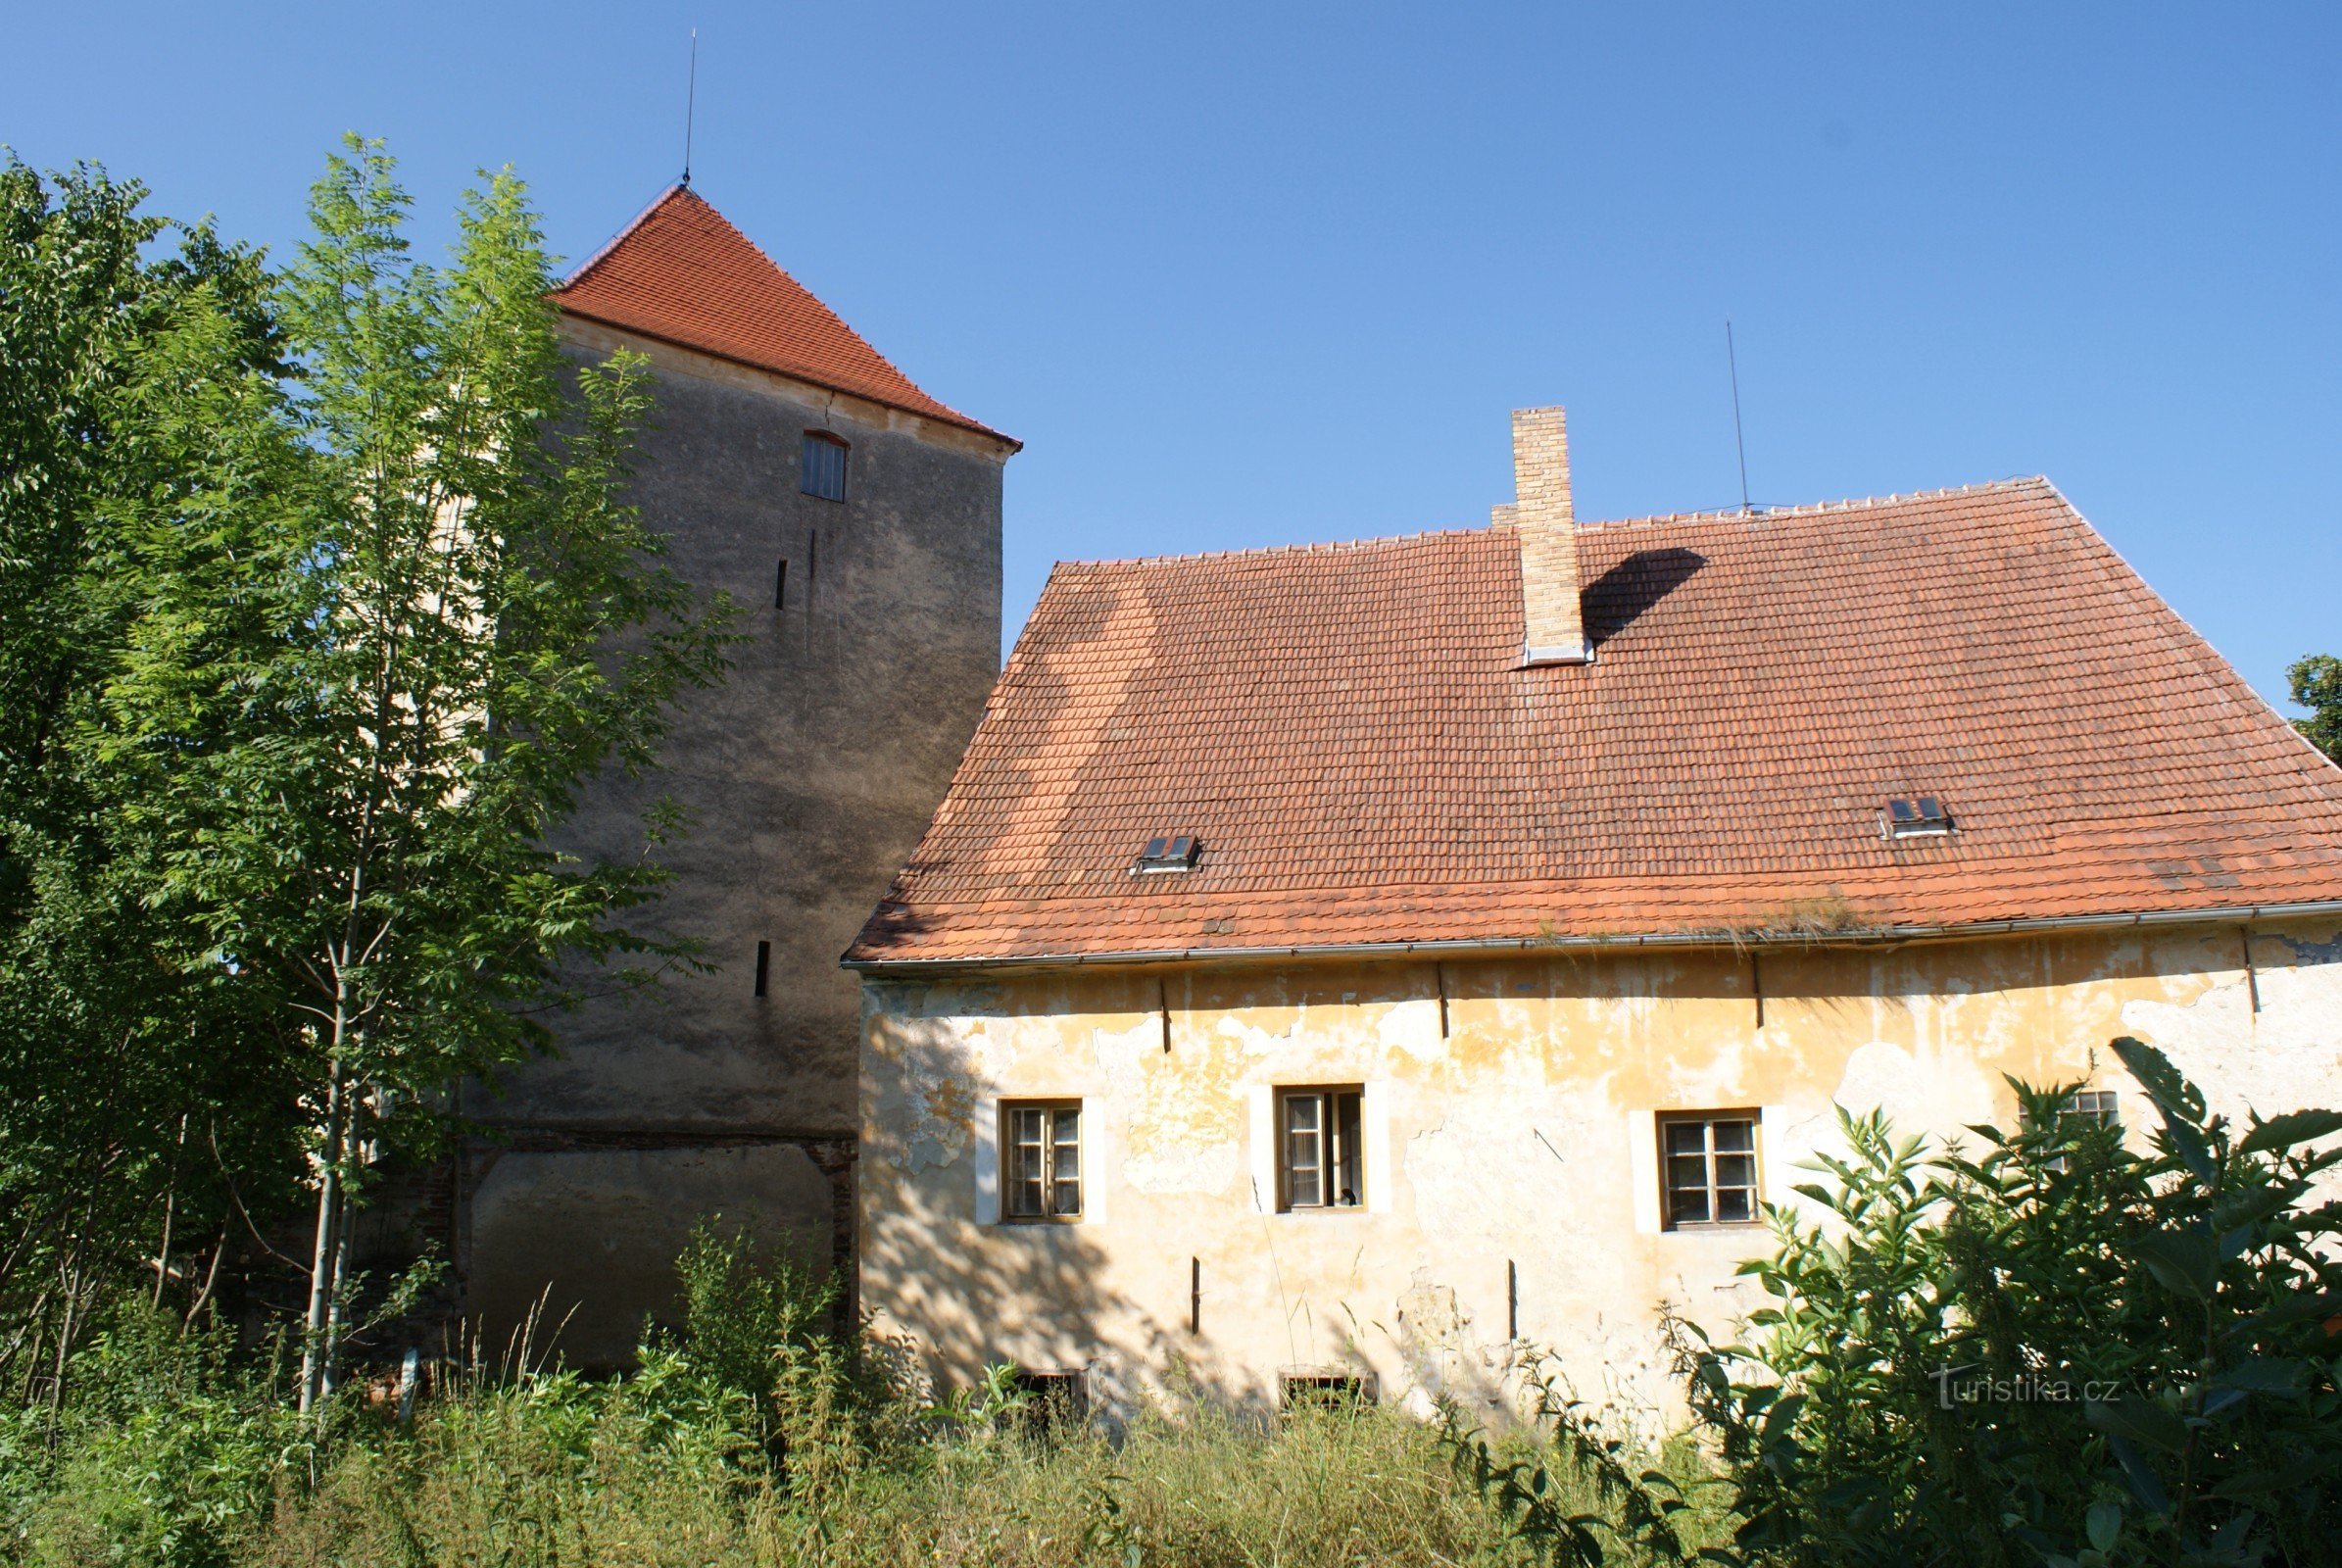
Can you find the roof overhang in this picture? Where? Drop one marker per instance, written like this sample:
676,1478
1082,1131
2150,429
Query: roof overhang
1513,947
789,379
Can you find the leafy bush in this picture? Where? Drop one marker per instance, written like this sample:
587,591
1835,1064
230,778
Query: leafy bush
2058,1352
819,1406
169,1455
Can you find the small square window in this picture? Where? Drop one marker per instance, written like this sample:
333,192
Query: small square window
2092,1106
823,471
1708,1168
1320,1156
1042,1144
2082,1110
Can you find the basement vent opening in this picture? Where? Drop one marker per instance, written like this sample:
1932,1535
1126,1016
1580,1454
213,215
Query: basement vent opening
1054,1403
1921,819
1168,854
1322,1392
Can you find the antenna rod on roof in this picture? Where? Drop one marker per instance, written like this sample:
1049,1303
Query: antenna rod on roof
690,104
1733,363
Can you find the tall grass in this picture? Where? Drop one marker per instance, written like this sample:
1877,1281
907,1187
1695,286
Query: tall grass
515,1479
750,1439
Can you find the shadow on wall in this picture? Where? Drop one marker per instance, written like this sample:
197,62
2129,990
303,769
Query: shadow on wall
963,1296
583,1241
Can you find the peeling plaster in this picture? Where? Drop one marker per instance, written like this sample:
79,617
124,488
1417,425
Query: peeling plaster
1515,1142
2311,952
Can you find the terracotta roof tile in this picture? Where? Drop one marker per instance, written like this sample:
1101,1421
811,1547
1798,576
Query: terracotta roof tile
683,275
1346,729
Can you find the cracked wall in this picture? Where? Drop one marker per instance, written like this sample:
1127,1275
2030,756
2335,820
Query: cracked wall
1518,1147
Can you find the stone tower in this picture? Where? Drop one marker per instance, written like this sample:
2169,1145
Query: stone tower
857,522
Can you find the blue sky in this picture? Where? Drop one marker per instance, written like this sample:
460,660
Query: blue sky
1255,274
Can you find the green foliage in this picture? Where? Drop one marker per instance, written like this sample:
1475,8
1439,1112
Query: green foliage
173,1453
1200,1489
320,605
461,624
2318,686
142,1097
2057,1351
1587,1496
170,1454
764,1330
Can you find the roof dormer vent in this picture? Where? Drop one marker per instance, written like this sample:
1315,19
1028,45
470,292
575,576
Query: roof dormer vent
1922,819
1170,852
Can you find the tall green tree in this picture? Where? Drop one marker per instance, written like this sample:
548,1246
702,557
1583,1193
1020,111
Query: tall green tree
466,623
322,608
129,1088
2318,686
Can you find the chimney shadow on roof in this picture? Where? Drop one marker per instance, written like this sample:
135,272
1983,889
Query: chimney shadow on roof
1621,596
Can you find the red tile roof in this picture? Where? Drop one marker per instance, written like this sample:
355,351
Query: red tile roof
1346,729
683,275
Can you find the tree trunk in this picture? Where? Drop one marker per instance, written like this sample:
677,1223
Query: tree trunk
333,1304
211,1278
171,1210
323,1257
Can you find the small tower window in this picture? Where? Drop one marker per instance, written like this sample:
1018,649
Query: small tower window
824,469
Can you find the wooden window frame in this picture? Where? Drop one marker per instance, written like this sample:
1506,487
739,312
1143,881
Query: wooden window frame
1331,1150
1709,1153
1012,1177
804,477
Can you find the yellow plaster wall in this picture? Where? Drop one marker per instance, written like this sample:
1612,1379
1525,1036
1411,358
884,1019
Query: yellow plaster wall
1520,1136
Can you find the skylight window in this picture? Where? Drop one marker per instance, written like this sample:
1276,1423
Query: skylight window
1922,819
1170,852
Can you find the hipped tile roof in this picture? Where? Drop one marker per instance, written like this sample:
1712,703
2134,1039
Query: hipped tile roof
682,273
1347,730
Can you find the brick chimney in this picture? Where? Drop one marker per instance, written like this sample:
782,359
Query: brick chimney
1553,629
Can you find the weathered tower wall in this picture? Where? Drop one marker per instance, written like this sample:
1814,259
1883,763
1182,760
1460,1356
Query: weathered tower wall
808,778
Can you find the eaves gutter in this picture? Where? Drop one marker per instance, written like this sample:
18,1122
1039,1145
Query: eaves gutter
1482,947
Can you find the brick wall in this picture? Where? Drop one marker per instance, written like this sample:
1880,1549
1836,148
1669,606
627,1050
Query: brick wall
1553,629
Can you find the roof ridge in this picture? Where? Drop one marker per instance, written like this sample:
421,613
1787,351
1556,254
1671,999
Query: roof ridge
611,244
1819,508
1815,509
1318,547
